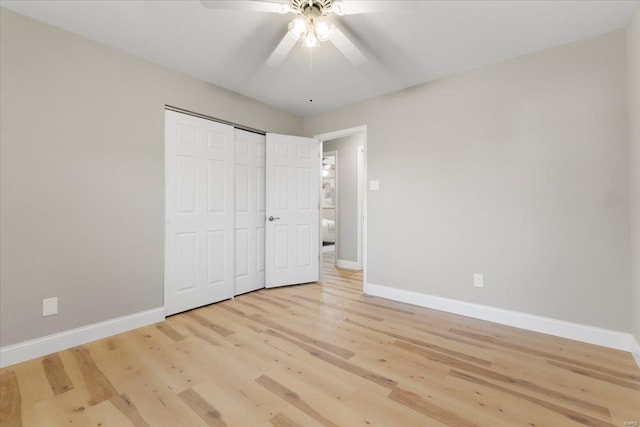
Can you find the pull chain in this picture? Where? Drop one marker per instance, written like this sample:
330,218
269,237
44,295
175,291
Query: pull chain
310,74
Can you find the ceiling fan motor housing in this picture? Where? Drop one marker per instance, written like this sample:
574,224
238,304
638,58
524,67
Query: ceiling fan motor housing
311,8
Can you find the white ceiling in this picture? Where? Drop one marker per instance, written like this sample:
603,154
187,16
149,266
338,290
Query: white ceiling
431,40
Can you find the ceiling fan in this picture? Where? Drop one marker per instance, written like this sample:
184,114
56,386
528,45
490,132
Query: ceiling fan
313,22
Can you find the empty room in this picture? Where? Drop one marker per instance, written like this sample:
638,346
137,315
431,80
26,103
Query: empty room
319,213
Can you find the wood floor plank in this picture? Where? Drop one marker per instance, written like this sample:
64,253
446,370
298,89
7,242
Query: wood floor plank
234,377
169,363
202,335
293,399
425,344
162,407
568,413
169,331
534,351
451,337
200,406
512,381
34,386
314,377
340,363
387,412
331,348
129,370
281,420
100,388
104,414
267,300
318,374
56,374
326,400
254,308
371,304
234,412
69,408
129,409
10,400
74,371
225,306
220,330
596,375
339,308
97,384
422,405
298,418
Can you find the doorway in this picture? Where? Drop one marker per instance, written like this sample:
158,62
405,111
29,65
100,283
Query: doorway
344,202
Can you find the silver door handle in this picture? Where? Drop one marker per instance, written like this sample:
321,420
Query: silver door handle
273,218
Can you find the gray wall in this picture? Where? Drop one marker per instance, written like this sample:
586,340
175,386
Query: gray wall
633,61
82,174
518,170
347,239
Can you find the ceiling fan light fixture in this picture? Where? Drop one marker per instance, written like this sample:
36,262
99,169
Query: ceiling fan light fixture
311,25
299,27
337,7
324,28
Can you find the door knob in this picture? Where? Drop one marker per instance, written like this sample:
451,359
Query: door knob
273,218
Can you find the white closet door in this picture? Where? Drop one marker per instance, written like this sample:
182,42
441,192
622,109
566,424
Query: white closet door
293,210
250,208
199,212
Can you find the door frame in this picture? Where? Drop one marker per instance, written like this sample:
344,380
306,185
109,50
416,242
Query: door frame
363,193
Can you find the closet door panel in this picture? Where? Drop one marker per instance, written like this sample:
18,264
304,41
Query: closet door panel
199,212
249,211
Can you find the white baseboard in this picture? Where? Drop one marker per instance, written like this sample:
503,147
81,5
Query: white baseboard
635,352
16,353
350,265
575,331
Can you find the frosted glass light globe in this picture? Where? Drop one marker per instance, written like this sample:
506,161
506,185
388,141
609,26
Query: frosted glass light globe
324,28
298,27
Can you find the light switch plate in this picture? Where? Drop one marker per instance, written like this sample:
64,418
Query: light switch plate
478,280
374,184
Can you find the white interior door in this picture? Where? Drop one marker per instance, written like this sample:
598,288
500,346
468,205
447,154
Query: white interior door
292,209
199,226
250,210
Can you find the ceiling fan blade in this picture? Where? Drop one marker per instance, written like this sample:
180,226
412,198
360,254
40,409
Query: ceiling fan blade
247,5
344,44
353,7
282,50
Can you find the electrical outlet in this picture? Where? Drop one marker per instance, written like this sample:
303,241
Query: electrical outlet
478,280
49,306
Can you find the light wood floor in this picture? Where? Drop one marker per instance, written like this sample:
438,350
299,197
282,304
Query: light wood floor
323,355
